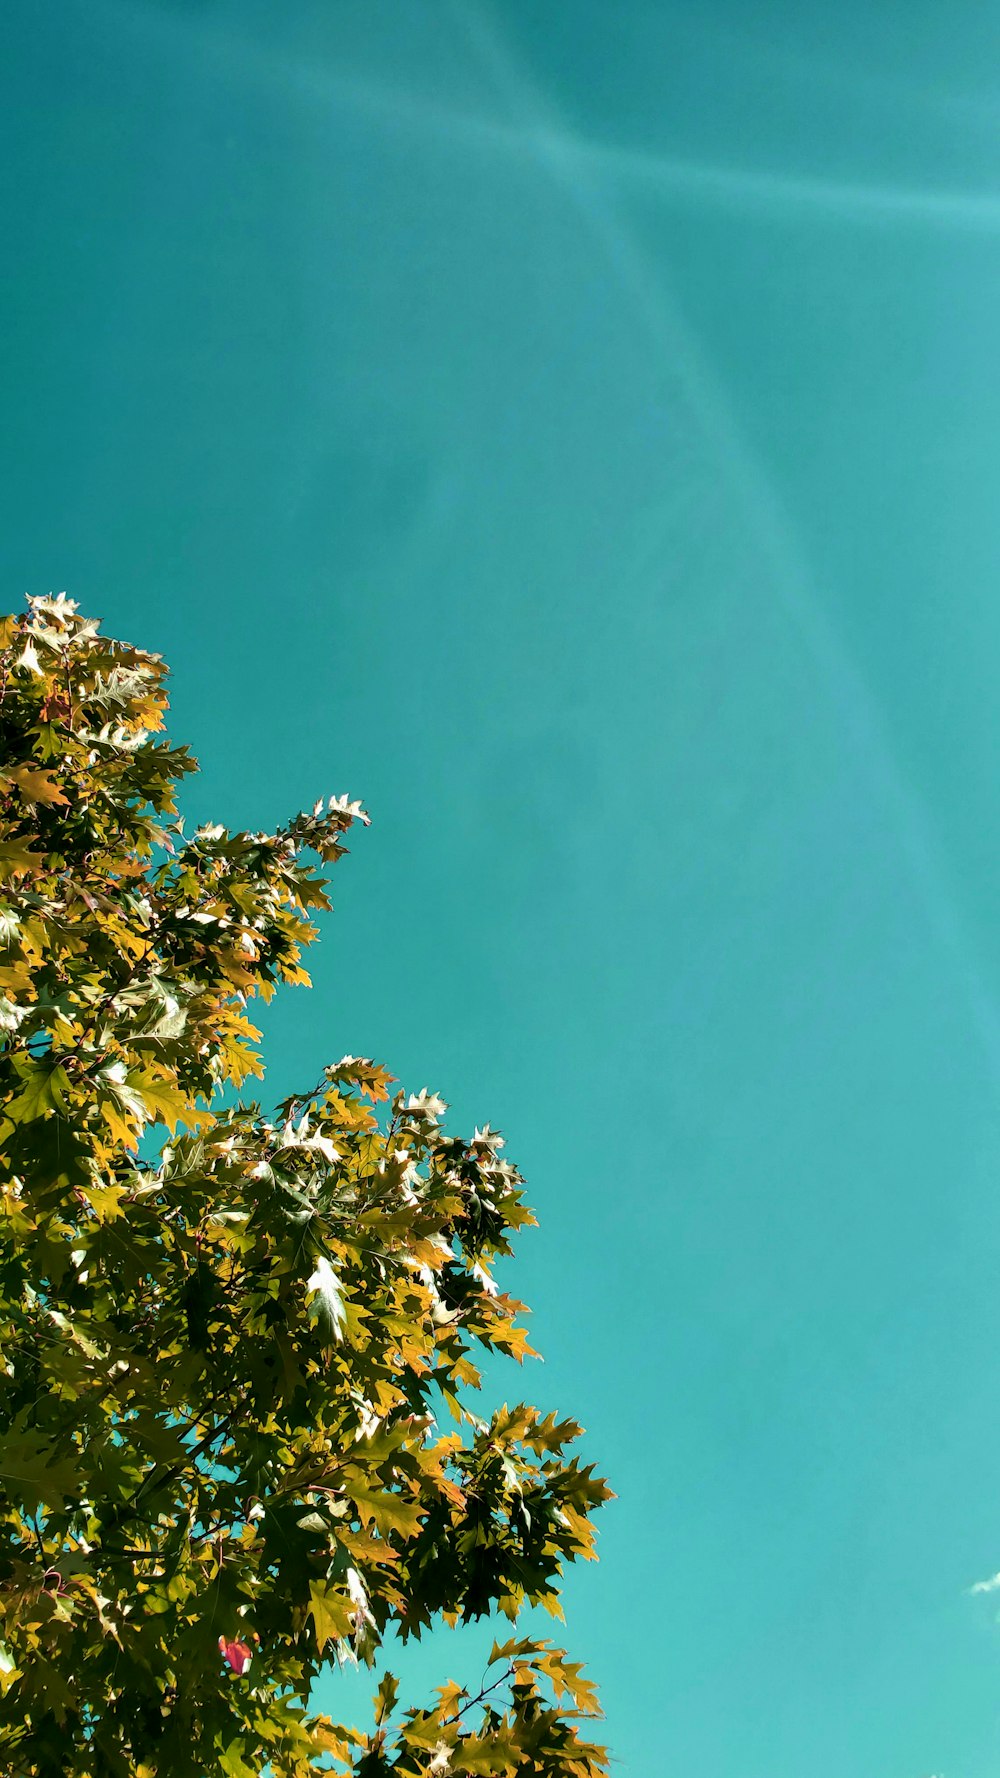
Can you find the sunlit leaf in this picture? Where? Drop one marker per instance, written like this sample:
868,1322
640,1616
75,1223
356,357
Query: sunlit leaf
326,1301
331,1612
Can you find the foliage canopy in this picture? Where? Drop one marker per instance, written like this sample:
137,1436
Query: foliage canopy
236,1437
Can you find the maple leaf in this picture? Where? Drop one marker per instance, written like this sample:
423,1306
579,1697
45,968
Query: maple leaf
326,1301
332,1613
17,859
163,1102
385,1698
35,785
31,1472
43,1089
388,1512
105,1200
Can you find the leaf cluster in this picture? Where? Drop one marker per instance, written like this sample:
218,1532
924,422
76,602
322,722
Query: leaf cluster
237,1345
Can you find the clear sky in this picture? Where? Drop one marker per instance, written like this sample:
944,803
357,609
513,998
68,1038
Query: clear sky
575,429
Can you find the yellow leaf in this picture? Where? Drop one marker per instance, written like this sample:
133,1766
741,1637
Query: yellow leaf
329,1737
388,1512
35,785
105,1201
16,858
122,1128
165,1103
331,1612
451,1696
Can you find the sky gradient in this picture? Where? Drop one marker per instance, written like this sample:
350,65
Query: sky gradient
574,429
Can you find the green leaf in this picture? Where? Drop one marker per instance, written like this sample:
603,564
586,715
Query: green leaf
482,1756
43,1089
32,1474
233,1764
385,1697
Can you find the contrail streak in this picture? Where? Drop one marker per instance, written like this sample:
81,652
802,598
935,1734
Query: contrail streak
539,136
845,201
587,173
856,711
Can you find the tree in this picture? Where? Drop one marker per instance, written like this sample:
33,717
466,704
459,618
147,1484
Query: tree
236,1437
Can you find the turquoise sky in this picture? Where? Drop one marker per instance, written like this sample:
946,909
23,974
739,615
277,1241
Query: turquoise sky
575,429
